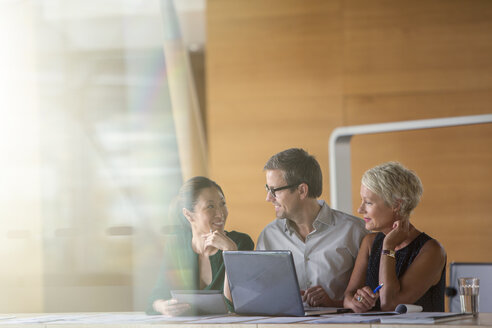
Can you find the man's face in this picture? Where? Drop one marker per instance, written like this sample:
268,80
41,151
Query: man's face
286,202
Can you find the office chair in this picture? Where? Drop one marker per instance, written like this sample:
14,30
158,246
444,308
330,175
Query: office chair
478,270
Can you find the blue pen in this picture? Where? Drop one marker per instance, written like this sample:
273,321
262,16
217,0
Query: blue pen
378,288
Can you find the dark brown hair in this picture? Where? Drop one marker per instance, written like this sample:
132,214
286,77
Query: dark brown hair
298,167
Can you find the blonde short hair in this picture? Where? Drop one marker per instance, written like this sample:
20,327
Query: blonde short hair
395,184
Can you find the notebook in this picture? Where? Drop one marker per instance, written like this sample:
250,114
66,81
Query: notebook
265,283
400,309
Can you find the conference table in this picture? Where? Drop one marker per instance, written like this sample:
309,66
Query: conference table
140,320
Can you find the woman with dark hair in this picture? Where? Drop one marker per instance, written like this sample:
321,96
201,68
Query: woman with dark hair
193,253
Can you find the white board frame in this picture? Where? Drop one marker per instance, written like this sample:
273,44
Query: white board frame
339,150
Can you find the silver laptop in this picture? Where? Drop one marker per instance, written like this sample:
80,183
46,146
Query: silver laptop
265,283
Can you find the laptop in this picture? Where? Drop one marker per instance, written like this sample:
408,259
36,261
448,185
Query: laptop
265,283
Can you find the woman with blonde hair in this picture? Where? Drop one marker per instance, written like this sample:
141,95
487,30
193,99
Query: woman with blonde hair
408,264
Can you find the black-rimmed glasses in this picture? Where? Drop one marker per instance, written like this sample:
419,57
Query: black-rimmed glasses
274,190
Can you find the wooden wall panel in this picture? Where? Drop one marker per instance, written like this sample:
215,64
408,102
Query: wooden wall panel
379,108
273,79
423,46
286,73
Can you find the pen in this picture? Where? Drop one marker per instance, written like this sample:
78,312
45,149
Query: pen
378,288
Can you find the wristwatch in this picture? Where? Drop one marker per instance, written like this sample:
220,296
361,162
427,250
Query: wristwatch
388,252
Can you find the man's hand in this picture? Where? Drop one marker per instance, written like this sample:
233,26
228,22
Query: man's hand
316,296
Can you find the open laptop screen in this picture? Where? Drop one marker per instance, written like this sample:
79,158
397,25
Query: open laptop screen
263,282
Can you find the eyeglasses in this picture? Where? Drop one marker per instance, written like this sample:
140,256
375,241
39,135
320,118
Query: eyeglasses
274,190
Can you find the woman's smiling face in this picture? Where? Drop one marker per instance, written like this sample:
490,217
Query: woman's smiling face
210,212
377,215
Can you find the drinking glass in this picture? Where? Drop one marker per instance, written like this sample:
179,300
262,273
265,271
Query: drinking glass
469,288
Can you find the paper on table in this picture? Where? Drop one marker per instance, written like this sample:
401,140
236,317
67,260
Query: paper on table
136,318
282,320
44,318
426,317
117,318
3,317
101,318
189,318
344,318
227,319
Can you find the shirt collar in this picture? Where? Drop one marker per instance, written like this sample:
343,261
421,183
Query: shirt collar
324,217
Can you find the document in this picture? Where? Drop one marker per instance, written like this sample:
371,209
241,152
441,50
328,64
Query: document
270,320
3,317
100,318
345,318
104,318
43,318
426,317
226,319
400,309
121,318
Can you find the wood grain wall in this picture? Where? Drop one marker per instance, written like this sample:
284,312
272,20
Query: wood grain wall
285,73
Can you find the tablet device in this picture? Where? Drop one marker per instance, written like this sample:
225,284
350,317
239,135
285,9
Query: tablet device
202,301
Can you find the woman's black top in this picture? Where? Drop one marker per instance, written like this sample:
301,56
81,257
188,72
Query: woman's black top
433,299
180,270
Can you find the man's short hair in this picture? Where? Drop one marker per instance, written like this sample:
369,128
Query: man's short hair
298,167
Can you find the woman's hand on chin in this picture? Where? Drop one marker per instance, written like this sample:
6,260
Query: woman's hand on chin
398,234
218,239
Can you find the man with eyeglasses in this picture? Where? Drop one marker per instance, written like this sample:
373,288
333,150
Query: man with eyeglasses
324,242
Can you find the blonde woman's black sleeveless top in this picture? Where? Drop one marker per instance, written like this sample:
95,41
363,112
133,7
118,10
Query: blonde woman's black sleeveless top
433,299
